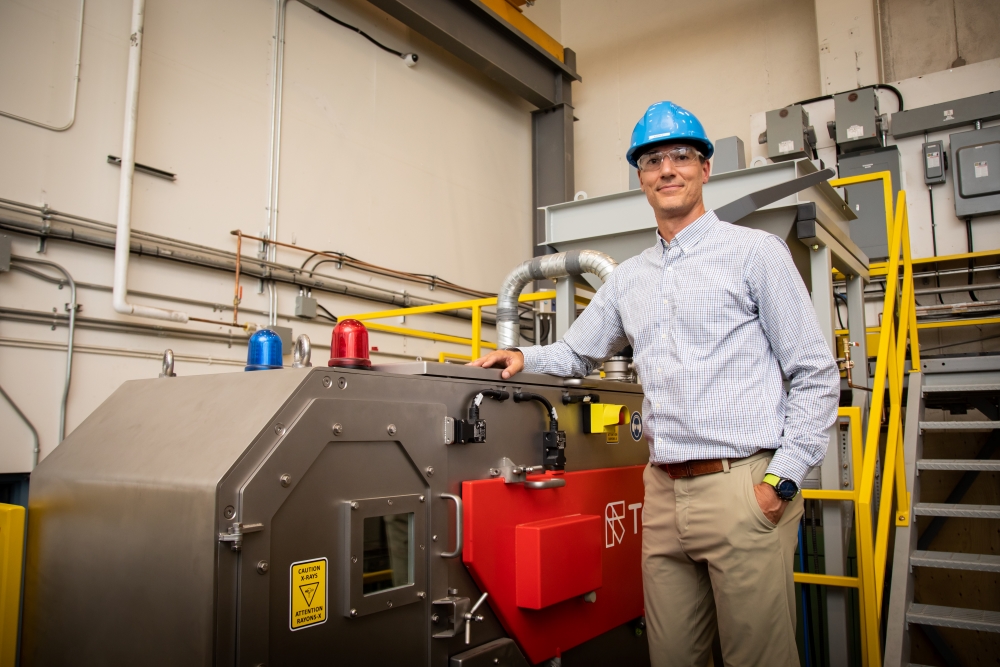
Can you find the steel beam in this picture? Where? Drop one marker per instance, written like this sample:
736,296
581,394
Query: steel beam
551,163
479,36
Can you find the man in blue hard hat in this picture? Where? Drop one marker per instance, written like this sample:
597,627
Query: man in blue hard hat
717,316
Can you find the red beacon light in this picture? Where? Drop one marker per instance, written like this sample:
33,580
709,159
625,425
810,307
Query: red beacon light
349,346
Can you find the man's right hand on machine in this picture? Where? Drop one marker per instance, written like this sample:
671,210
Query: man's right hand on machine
511,361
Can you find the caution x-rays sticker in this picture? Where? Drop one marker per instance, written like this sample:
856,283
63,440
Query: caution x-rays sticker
307,594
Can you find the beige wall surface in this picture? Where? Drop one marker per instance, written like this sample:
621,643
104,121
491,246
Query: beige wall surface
924,36
424,169
721,59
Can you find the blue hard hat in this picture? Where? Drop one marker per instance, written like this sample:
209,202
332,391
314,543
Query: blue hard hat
665,121
264,351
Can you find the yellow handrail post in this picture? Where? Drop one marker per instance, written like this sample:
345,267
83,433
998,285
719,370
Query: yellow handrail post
477,330
11,564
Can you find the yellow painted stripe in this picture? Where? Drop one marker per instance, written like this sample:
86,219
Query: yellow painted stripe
509,14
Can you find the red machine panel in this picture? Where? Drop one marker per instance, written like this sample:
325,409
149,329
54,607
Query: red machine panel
493,512
557,559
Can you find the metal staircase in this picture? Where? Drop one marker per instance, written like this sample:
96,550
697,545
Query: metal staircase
957,385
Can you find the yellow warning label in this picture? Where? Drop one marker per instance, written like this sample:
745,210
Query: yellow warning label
307,594
612,435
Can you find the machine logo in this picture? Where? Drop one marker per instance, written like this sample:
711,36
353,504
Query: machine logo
614,526
635,426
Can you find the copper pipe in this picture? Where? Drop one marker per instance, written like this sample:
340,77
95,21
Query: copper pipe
372,268
236,288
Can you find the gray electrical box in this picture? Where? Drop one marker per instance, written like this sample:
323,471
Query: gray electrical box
305,306
856,115
867,200
976,159
5,245
285,334
934,162
788,135
729,155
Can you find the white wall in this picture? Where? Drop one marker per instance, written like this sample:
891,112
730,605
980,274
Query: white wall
425,169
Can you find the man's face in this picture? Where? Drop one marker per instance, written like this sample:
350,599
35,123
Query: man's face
673,189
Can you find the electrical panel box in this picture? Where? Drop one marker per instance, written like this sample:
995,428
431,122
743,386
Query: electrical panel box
867,200
729,155
856,116
976,159
935,162
305,306
788,134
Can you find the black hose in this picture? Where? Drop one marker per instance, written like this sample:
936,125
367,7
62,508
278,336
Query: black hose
972,261
930,195
840,318
521,396
329,314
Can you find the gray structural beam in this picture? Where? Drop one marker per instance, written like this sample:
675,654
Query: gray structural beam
476,34
551,163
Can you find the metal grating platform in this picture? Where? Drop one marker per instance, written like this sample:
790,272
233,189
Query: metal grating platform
960,388
960,426
958,464
952,617
956,561
950,509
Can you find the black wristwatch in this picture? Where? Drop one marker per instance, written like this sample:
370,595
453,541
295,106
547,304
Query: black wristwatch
785,488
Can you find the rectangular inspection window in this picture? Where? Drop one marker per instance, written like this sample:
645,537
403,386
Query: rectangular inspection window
388,552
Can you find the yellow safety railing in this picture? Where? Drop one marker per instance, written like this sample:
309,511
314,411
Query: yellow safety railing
11,550
899,325
476,305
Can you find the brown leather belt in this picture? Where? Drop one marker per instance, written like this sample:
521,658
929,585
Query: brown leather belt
697,467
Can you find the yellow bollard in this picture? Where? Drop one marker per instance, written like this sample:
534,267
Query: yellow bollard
11,564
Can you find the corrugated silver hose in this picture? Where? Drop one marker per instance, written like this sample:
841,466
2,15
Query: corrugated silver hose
560,265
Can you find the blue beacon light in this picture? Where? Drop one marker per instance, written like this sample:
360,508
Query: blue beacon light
264,351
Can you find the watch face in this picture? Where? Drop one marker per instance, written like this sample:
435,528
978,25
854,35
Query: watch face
786,489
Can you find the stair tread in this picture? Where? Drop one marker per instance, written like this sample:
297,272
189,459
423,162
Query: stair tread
956,561
959,388
976,425
952,509
954,617
958,464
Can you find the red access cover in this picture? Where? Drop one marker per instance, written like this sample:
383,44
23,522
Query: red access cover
557,559
493,512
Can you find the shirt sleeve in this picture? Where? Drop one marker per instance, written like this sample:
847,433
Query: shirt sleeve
789,322
595,336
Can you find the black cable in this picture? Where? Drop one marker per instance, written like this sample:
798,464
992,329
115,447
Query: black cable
323,308
883,86
839,317
930,194
972,261
495,394
357,30
521,396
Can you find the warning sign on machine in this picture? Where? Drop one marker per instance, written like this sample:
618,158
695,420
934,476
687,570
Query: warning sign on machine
307,594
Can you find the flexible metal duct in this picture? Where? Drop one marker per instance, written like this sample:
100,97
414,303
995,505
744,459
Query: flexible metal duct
559,265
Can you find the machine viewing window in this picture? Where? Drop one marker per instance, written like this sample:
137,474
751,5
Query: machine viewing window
388,552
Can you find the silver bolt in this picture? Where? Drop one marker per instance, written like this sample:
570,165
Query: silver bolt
262,567
496,661
421,499
279,428
354,505
390,501
815,246
388,603
429,470
354,559
338,429
494,472
452,591
421,595
435,618
354,613
286,480
434,538
327,382
342,383
421,547
229,512
391,429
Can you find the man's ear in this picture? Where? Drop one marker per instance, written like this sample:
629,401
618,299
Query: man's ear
706,171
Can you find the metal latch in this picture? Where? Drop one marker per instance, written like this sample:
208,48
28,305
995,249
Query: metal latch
456,613
236,532
515,474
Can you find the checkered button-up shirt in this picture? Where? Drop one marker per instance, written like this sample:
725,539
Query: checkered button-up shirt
716,319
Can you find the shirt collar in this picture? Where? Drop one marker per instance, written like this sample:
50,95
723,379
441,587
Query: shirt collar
689,237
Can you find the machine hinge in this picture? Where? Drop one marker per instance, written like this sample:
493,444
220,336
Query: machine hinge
236,532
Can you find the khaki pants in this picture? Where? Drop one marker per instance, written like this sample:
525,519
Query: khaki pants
710,556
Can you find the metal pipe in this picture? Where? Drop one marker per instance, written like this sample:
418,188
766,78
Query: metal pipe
70,335
27,422
572,263
277,62
76,88
979,287
123,243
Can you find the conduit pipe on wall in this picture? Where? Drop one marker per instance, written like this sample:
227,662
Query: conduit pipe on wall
72,328
76,87
27,422
559,265
119,296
